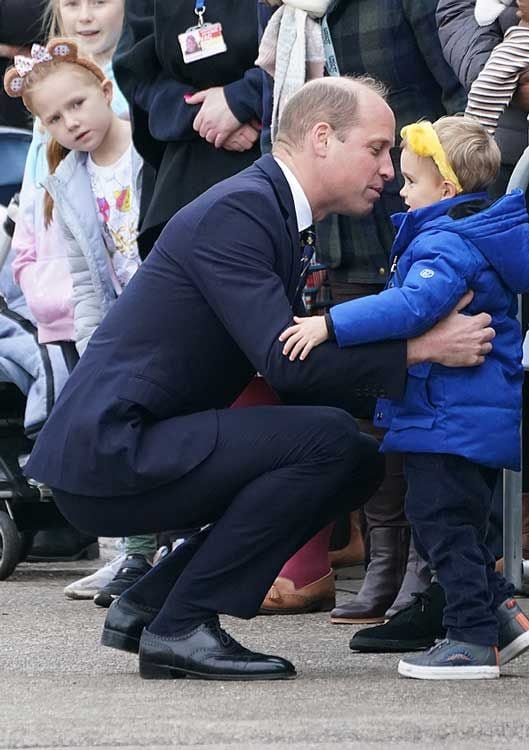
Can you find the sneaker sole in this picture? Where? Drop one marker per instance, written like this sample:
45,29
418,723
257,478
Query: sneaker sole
386,646
357,620
120,641
515,648
448,673
104,600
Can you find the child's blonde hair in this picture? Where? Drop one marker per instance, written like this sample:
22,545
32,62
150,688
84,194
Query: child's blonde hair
471,152
51,20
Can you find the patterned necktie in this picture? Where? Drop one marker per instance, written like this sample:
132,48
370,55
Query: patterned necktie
307,240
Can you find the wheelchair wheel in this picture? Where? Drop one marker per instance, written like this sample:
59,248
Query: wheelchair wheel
10,544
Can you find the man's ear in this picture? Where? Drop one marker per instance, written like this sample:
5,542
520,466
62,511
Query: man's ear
107,88
320,136
448,190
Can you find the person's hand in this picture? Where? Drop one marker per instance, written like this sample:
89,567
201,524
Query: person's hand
243,138
10,50
215,120
523,11
304,336
456,341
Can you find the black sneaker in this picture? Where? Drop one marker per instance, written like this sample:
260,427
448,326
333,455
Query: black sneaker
133,567
414,628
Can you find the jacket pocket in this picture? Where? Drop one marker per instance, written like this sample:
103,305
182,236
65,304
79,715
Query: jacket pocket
416,409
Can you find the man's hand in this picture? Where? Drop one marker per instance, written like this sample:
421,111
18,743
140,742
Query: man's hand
243,138
456,341
304,336
215,121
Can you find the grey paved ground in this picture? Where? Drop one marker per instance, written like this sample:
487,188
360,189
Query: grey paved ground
60,689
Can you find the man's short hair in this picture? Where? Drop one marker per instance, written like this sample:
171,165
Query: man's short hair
472,153
330,100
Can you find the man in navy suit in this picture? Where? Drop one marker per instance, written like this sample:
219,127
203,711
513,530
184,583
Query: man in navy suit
142,439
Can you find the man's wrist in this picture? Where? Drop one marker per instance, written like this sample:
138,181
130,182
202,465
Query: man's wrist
417,351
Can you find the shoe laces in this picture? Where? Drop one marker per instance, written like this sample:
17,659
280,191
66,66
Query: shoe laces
225,638
438,644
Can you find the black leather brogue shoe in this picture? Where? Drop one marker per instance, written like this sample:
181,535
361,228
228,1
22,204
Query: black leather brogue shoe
207,653
124,625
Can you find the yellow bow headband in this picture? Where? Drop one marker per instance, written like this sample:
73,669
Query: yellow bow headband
422,139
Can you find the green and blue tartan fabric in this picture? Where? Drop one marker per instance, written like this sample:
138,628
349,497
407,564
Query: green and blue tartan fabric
396,41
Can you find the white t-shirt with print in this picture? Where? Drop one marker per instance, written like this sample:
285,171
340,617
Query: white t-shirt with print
118,206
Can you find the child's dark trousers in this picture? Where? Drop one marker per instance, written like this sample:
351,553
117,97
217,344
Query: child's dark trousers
448,505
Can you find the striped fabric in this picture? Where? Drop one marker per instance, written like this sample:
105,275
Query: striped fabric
492,91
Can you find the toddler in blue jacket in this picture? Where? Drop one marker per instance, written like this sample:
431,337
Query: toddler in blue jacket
458,427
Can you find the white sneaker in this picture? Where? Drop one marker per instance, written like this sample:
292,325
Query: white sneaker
87,587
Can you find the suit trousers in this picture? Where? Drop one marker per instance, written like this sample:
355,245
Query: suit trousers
386,507
277,475
448,505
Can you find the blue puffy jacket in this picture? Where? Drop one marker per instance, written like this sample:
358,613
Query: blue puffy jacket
439,253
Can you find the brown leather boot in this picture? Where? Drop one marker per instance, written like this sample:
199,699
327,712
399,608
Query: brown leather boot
354,551
384,575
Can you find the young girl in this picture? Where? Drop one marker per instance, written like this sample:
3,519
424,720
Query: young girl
94,181
40,266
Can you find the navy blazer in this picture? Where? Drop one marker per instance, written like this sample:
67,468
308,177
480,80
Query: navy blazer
199,318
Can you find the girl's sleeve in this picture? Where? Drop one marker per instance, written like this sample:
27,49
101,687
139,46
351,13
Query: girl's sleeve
24,240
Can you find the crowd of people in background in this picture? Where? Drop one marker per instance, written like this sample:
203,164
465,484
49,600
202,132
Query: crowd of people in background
136,110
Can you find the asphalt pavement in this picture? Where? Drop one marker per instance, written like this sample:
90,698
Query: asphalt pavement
60,689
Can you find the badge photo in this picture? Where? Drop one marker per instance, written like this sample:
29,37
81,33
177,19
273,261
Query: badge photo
202,41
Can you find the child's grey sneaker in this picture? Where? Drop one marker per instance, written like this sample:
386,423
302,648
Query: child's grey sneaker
453,660
513,630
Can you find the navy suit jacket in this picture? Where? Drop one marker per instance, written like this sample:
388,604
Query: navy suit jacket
199,318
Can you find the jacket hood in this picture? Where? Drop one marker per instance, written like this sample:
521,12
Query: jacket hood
500,232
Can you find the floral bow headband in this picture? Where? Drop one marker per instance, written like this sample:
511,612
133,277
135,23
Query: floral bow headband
422,139
57,50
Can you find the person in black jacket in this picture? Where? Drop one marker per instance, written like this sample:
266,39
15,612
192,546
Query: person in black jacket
20,25
194,123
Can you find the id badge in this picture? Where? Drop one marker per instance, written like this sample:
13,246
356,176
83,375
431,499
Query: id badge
202,41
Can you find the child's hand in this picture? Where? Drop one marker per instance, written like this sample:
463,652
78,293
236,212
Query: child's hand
304,336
